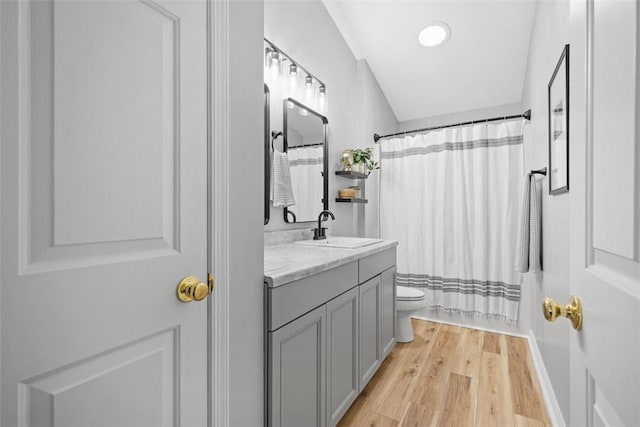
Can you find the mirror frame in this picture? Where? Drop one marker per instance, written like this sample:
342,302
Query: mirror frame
325,166
267,155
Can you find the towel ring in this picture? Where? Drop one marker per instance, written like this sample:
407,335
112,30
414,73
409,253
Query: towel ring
274,135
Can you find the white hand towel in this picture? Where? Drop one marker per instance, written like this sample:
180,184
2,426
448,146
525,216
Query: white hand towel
534,229
528,246
281,189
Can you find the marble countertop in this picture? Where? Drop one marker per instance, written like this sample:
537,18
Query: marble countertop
289,262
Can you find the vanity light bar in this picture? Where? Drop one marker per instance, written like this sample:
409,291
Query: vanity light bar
273,48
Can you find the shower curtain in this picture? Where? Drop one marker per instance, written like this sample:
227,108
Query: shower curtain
306,165
450,198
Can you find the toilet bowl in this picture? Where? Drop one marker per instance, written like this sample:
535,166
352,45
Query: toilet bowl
408,301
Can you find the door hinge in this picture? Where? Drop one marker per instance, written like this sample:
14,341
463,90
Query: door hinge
210,282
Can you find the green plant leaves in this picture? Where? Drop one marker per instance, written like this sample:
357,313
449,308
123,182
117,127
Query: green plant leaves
364,156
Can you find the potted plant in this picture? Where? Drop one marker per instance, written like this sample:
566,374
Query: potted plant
360,160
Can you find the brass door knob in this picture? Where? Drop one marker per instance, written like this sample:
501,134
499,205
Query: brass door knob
190,288
572,311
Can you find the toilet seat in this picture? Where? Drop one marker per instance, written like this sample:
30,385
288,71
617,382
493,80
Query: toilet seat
404,293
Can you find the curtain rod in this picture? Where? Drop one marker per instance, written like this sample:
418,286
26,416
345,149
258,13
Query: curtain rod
526,115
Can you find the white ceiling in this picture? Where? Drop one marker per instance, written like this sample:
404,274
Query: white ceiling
482,65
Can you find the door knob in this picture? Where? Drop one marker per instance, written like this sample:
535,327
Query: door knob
190,288
572,311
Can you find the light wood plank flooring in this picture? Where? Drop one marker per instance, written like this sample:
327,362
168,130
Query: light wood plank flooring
452,376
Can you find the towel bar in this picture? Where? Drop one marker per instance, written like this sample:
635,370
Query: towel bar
542,171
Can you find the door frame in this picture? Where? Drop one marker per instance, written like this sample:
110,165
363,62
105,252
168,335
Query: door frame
580,38
218,211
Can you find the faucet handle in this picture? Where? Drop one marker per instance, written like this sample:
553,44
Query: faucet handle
318,233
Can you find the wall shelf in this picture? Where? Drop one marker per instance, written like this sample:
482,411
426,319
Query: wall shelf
352,174
351,200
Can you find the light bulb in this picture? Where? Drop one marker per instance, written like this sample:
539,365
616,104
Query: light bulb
309,88
267,56
303,112
293,79
435,34
322,98
275,58
274,64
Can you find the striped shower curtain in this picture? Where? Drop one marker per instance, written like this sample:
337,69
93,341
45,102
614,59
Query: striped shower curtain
450,198
306,166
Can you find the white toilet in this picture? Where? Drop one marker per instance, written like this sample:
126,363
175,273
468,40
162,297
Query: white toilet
408,301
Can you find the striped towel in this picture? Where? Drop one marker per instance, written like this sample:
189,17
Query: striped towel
281,188
528,246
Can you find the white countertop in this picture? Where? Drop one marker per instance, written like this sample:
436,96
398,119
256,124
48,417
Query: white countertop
289,262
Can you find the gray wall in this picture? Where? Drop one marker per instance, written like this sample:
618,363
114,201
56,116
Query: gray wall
375,116
463,116
356,106
550,33
246,270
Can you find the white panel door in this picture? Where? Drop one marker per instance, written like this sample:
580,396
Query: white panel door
605,210
103,191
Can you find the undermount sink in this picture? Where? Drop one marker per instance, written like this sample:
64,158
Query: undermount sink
340,242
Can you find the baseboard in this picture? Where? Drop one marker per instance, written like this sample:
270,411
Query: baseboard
480,328
553,408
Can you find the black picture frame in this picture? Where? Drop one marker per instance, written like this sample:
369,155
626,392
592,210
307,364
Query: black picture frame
558,106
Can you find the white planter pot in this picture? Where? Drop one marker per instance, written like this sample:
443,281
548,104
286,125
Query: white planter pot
358,167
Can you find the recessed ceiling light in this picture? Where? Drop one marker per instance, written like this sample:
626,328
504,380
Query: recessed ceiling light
434,34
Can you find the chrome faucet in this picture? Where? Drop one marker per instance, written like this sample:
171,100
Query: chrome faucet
318,233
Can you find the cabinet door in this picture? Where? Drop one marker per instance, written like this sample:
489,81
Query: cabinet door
370,323
297,372
388,311
342,354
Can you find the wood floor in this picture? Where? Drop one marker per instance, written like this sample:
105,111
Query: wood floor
452,376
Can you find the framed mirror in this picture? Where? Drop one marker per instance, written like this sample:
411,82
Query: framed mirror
305,142
267,154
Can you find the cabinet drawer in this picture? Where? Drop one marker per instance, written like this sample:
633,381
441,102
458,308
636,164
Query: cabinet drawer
372,265
287,302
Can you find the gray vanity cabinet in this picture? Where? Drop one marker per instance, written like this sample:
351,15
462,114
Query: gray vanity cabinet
377,322
296,396
326,335
388,311
342,354
370,323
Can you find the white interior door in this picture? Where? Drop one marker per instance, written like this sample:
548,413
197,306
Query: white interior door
605,209
103,212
